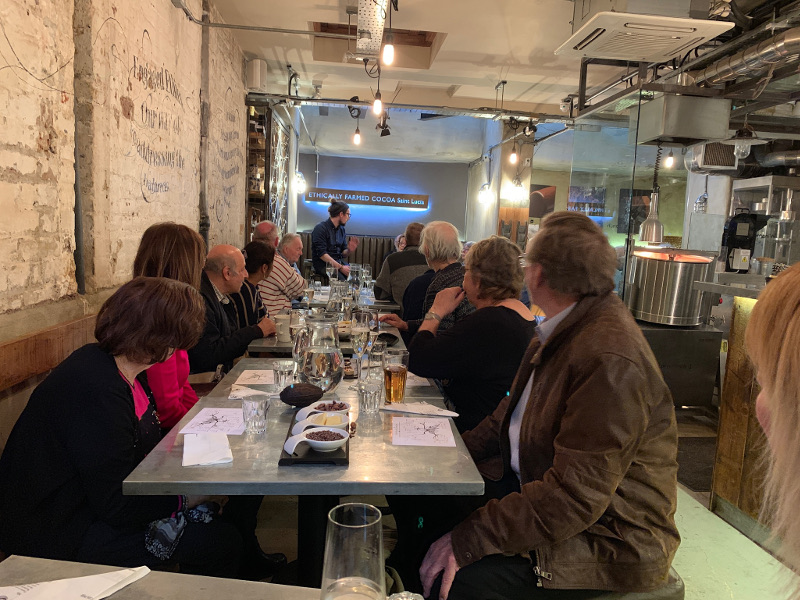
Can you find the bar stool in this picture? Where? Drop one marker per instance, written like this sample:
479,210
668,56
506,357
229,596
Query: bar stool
674,590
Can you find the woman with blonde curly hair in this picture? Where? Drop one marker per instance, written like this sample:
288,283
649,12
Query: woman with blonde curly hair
773,343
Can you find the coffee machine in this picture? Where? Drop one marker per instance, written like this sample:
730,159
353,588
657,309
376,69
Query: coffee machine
739,239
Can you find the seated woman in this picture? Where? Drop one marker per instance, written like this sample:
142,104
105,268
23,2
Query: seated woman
85,428
477,358
773,343
176,252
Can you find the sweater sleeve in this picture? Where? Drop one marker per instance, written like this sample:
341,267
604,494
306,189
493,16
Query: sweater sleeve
445,355
600,431
173,394
214,348
103,450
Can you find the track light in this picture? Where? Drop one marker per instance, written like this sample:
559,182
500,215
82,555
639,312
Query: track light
387,57
669,162
299,182
357,136
513,157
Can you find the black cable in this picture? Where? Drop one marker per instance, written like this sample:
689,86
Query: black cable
372,72
657,168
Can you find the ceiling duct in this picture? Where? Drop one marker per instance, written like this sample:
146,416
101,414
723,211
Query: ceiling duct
638,30
753,59
371,20
682,120
788,158
711,158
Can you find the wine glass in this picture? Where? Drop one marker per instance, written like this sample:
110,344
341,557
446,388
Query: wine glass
359,336
330,270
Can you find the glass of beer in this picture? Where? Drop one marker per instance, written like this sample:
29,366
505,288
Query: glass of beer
395,370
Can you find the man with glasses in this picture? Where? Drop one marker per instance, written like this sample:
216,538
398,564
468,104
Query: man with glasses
329,243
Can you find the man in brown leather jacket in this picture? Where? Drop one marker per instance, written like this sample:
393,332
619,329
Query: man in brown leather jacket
586,443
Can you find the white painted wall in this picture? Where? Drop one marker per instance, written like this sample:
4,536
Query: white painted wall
481,219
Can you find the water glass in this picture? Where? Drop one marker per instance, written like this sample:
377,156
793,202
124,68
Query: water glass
284,373
353,566
395,371
254,411
369,396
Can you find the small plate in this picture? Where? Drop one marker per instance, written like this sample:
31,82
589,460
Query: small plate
320,406
320,446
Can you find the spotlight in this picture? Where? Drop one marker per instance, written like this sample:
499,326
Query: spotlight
485,195
669,162
377,106
299,182
357,136
513,157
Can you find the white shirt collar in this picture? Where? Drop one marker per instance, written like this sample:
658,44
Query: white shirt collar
546,328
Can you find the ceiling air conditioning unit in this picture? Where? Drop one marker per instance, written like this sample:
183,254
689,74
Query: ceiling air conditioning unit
710,157
639,30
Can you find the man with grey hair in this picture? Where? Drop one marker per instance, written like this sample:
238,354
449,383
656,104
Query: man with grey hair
284,283
222,342
267,231
441,247
579,458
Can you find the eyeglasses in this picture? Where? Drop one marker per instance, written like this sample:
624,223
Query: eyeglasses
244,253
347,214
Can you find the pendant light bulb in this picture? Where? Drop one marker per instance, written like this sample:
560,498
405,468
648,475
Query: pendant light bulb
299,183
669,162
513,157
357,136
377,106
388,51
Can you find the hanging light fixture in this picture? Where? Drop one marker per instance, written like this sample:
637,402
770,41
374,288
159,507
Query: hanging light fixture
669,162
299,183
357,136
517,191
388,48
377,105
744,139
651,231
485,195
513,157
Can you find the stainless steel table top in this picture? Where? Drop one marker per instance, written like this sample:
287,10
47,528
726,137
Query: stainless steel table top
18,570
272,345
380,305
376,466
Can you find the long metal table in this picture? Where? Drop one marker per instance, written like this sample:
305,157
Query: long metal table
271,345
156,585
375,465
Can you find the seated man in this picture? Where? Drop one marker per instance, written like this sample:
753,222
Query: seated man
584,446
284,283
249,308
268,232
401,267
221,341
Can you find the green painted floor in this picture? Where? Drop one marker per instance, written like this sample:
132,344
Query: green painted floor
717,562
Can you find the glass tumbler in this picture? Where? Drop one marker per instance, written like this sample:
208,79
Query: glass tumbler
353,567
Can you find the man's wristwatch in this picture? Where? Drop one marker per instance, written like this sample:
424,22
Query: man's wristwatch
431,316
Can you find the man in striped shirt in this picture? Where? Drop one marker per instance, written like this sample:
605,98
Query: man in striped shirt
284,283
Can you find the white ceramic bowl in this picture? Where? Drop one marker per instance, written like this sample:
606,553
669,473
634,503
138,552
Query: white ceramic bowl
320,446
318,407
336,420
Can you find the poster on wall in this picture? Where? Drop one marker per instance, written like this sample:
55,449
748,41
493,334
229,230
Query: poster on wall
589,200
633,206
542,200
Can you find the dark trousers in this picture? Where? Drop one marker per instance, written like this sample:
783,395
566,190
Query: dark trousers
217,549
499,577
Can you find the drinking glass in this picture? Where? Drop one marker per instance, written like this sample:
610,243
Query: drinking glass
330,270
353,566
359,336
284,373
369,396
254,412
395,371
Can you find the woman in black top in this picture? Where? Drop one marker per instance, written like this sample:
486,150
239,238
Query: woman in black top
86,427
476,359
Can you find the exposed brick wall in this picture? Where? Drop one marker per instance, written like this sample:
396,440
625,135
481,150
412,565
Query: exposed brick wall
227,139
36,152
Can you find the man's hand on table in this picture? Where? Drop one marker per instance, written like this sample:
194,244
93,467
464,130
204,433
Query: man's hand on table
267,326
394,321
439,559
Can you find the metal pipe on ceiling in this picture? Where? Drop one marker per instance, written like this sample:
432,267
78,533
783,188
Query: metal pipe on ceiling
182,5
753,59
788,158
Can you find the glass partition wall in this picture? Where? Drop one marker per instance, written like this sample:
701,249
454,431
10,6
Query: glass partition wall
612,176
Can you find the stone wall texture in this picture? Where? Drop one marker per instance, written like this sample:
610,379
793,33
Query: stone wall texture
37,128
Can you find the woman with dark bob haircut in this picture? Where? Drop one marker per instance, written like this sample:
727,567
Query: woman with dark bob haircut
85,428
477,358
177,252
